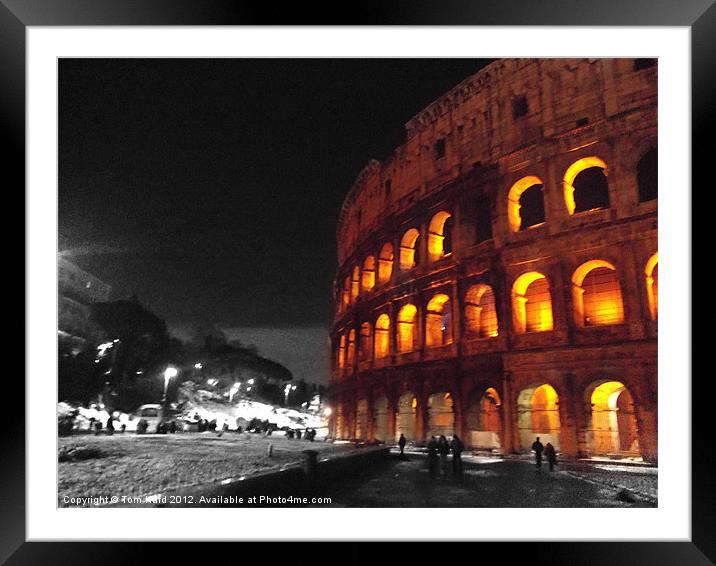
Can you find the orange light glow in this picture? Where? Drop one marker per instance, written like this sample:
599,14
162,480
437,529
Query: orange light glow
368,277
480,312
407,249
596,294
351,349
652,285
545,411
385,263
531,303
613,422
513,200
355,283
571,174
342,353
438,321
382,336
406,328
436,235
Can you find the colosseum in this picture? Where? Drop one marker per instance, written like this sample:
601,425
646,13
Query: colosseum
498,273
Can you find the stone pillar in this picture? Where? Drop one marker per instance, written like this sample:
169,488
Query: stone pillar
645,409
509,411
422,418
567,421
392,408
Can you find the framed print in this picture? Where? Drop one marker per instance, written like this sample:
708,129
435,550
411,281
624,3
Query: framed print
393,278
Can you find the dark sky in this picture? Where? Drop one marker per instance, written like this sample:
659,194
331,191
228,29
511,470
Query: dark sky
211,187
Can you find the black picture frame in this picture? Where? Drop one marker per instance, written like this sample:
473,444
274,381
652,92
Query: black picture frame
698,15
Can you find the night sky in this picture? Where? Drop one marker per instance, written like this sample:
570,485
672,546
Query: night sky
211,187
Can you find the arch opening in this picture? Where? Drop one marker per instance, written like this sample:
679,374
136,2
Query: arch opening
596,294
441,417
368,274
525,204
612,425
409,254
585,185
365,346
480,312
531,303
385,263
440,236
351,350
484,419
382,337
438,321
538,416
405,416
406,328
355,283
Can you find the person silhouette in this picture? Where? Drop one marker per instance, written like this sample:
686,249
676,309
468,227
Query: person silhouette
551,454
401,443
538,447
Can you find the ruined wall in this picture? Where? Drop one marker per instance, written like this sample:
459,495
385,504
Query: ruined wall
465,158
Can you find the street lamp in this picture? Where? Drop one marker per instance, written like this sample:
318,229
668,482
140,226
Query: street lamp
286,391
168,374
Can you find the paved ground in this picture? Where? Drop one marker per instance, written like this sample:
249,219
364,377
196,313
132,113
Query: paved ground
486,482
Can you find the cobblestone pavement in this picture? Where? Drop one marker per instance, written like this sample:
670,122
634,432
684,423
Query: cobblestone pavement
486,482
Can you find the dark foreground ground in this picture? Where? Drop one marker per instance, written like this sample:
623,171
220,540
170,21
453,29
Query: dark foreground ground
405,482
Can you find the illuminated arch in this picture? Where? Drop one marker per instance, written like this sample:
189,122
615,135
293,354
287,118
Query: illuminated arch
351,349
514,218
385,263
409,254
596,294
571,174
480,311
438,321
441,414
382,337
365,346
368,276
439,233
652,285
346,298
406,328
406,416
538,415
531,303
355,283
611,421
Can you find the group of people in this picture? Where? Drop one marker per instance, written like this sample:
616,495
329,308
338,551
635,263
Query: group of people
438,451
549,452
309,434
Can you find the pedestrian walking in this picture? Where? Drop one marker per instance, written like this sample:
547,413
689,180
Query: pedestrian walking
443,450
551,454
538,448
432,456
457,448
401,443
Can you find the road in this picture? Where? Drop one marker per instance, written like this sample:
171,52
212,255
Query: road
485,483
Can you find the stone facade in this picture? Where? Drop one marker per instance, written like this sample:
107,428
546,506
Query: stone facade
498,274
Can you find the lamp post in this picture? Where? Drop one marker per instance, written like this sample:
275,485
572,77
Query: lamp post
168,374
286,391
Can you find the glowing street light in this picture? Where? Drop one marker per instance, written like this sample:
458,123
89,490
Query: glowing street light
286,391
327,411
198,365
168,374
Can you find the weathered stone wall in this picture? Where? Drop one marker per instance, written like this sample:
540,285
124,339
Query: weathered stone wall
573,109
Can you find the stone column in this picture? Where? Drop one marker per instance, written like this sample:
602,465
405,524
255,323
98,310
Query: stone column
509,412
